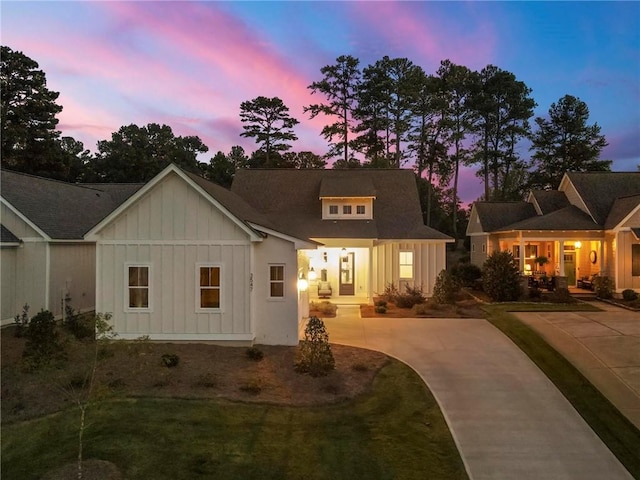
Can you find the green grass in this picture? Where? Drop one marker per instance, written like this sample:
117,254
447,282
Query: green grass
615,430
395,432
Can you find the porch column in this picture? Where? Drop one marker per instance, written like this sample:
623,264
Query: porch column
561,257
521,259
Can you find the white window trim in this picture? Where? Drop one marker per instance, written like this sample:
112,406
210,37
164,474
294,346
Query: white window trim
127,308
200,309
413,270
364,209
345,208
284,282
337,212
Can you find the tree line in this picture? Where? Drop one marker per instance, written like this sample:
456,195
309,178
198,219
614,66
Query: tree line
390,114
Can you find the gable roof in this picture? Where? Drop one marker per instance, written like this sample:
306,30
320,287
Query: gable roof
61,210
547,201
568,218
496,215
290,198
621,208
599,190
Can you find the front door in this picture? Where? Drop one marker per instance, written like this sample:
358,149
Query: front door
347,280
570,268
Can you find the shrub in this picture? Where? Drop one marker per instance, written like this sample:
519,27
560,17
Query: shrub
254,353
466,274
80,326
170,360
603,286
423,308
535,293
43,344
561,295
629,295
500,277
314,352
445,288
380,309
390,293
21,321
380,303
411,297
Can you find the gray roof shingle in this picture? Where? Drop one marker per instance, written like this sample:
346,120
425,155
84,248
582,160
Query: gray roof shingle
63,211
568,218
7,236
621,208
550,200
496,215
291,200
599,190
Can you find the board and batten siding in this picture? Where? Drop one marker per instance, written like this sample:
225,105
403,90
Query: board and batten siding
429,259
174,229
72,272
625,279
26,281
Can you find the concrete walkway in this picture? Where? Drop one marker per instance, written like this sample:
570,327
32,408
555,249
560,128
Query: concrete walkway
506,417
604,346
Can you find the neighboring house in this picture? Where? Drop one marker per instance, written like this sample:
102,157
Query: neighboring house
184,259
590,225
43,255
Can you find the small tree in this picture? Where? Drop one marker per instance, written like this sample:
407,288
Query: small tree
314,354
43,343
445,288
500,277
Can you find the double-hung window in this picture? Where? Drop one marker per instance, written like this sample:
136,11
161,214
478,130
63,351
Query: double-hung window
406,265
276,281
138,287
360,210
333,209
209,287
346,209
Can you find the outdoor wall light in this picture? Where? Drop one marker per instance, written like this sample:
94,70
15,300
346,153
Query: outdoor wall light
312,274
303,285
578,244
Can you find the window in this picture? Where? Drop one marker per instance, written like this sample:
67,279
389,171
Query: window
346,209
276,281
635,260
406,264
360,209
209,288
333,209
138,286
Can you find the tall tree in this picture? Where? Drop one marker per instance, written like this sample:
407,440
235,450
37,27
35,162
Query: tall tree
137,154
502,108
268,121
564,142
303,160
340,86
28,115
457,84
428,138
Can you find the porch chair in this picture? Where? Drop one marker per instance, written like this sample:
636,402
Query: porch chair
324,289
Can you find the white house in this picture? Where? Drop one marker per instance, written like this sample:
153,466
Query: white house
183,259
43,255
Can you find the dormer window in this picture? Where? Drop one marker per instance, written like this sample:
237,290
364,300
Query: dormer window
333,209
346,209
360,210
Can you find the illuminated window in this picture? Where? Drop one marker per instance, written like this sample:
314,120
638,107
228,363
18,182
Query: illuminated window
360,210
209,286
346,209
333,209
635,260
406,264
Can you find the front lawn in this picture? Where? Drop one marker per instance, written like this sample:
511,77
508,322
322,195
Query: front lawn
394,431
615,430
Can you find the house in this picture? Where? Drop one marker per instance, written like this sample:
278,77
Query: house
589,226
183,259
43,255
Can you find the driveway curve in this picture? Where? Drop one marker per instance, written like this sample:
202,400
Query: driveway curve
508,420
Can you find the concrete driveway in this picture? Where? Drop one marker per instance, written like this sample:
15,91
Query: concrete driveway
508,420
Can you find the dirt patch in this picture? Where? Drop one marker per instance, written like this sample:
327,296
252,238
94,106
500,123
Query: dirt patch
91,470
203,371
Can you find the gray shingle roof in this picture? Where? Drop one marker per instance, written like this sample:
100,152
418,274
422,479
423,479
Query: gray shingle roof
7,236
496,215
342,185
63,211
620,209
291,200
599,190
568,218
550,200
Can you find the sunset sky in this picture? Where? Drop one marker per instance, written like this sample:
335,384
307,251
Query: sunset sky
190,64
